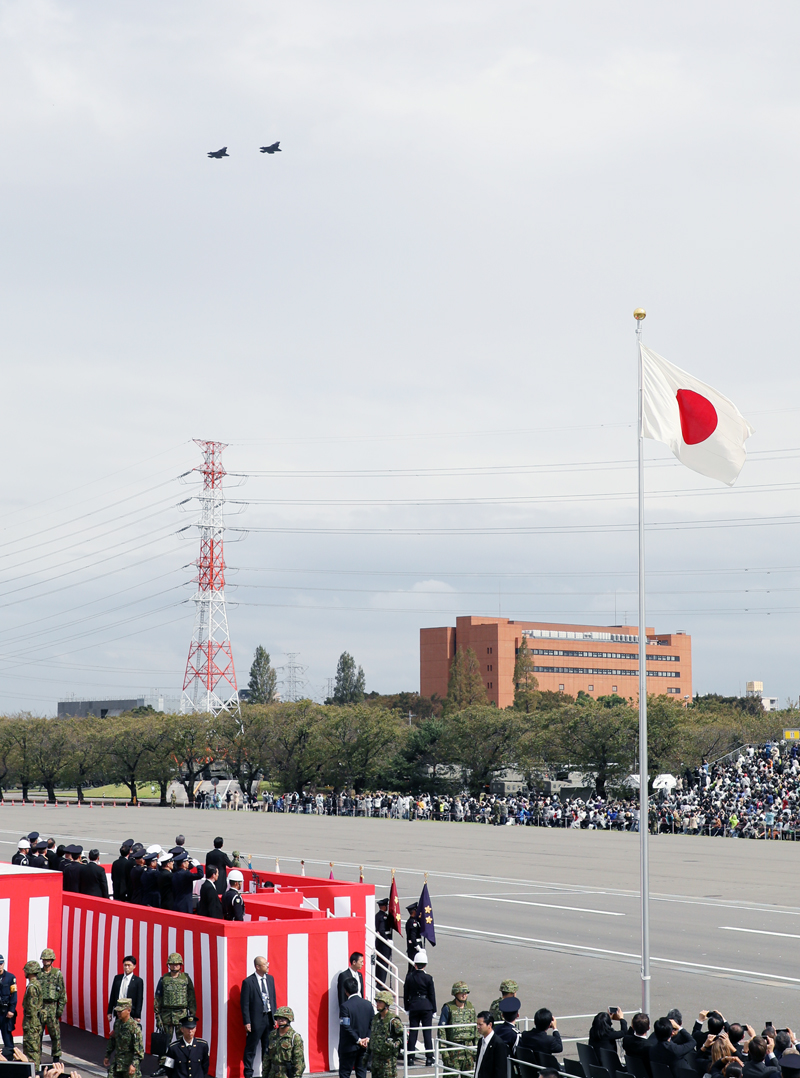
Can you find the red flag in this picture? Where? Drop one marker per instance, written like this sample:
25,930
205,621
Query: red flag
394,909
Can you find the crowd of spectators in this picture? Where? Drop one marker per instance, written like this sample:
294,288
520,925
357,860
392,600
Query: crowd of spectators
752,793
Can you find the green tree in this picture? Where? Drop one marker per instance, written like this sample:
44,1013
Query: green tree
526,698
600,742
49,750
6,745
358,740
129,745
465,686
22,735
294,753
263,682
86,762
483,742
350,683
193,735
422,764
242,742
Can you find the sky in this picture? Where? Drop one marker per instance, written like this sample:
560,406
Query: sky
412,328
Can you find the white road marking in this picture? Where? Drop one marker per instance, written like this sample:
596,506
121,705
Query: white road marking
760,932
556,945
547,905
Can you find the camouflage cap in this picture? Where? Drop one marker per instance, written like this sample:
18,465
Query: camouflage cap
48,952
460,986
384,997
509,986
123,1004
285,1012
30,969
175,959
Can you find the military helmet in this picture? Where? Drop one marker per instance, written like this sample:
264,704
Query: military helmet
285,1012
509,986
460,986
48,952
175,959
384,997
30,969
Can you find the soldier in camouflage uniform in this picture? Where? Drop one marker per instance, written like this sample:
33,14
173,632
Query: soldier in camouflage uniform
507,988
385,1037
459,1015
54,1000
126,1044
284,1057
32,1014
174,998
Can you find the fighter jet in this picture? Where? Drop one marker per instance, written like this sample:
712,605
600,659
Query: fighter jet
220,153
274,148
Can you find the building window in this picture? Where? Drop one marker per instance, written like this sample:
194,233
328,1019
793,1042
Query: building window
488,651
613,688
560,688
591,688
489,667
671,690
491,684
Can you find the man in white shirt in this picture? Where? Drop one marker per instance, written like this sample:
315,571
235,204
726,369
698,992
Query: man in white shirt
127,985
492,1057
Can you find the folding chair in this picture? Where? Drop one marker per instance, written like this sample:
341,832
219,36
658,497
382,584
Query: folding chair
599,1072
635,1066
588,1058
660,1070
609,1060
573,1067
548,1060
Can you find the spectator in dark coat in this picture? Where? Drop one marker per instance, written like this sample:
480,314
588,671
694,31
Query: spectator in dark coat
93,879
603,1035
222,862
761,1061
636,1043
540,1039
210,905
678,1057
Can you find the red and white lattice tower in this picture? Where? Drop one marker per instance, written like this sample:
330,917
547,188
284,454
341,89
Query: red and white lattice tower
209,684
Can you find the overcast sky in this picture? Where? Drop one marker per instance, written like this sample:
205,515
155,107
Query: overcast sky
436,273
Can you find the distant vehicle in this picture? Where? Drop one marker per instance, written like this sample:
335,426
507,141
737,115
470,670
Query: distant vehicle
220,153
274,148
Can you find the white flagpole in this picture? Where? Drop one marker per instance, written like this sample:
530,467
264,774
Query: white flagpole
644,815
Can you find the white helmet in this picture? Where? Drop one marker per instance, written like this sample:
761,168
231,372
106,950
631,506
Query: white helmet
154,849
420,959
23,844
235,876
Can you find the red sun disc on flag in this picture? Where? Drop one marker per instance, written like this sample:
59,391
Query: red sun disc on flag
698,416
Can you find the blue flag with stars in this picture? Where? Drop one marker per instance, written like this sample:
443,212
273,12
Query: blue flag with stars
425,915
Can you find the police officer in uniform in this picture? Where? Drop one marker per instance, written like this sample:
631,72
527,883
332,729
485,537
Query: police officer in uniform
174,997
36,858
383,931
507,988
8,1008
413,935
419,999
20,858
54,1000
187,1057
232,901
506,1030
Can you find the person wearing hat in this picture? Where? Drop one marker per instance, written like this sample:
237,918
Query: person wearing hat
385,1037
232,901
184,874
188,1056
125,1043
507,988
285,1057
383,931
8,1008
507,1030
457,1024
790,1064
36,858
413,934
32,1013
71,869
94,880
119,872
174,999
150,894
136,873
54,1000
165,865
419,999
21,856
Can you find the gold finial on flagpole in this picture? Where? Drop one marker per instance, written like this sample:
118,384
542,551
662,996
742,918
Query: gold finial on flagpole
639,314
302,868
426,877
360,873
392,873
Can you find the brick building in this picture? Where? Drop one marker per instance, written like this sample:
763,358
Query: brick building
567,658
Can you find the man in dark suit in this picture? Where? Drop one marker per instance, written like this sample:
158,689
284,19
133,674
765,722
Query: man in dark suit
761,1061
419,999
210,905
258,1004
540,1039
492,1056
127,985
355,1021
354,970
119,873
93,881
636,1042
187,1057
222,862
678,1057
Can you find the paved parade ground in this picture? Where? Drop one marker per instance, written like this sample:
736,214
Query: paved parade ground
556,910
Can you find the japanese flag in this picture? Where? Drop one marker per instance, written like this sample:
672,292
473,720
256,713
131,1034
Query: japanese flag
704,430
